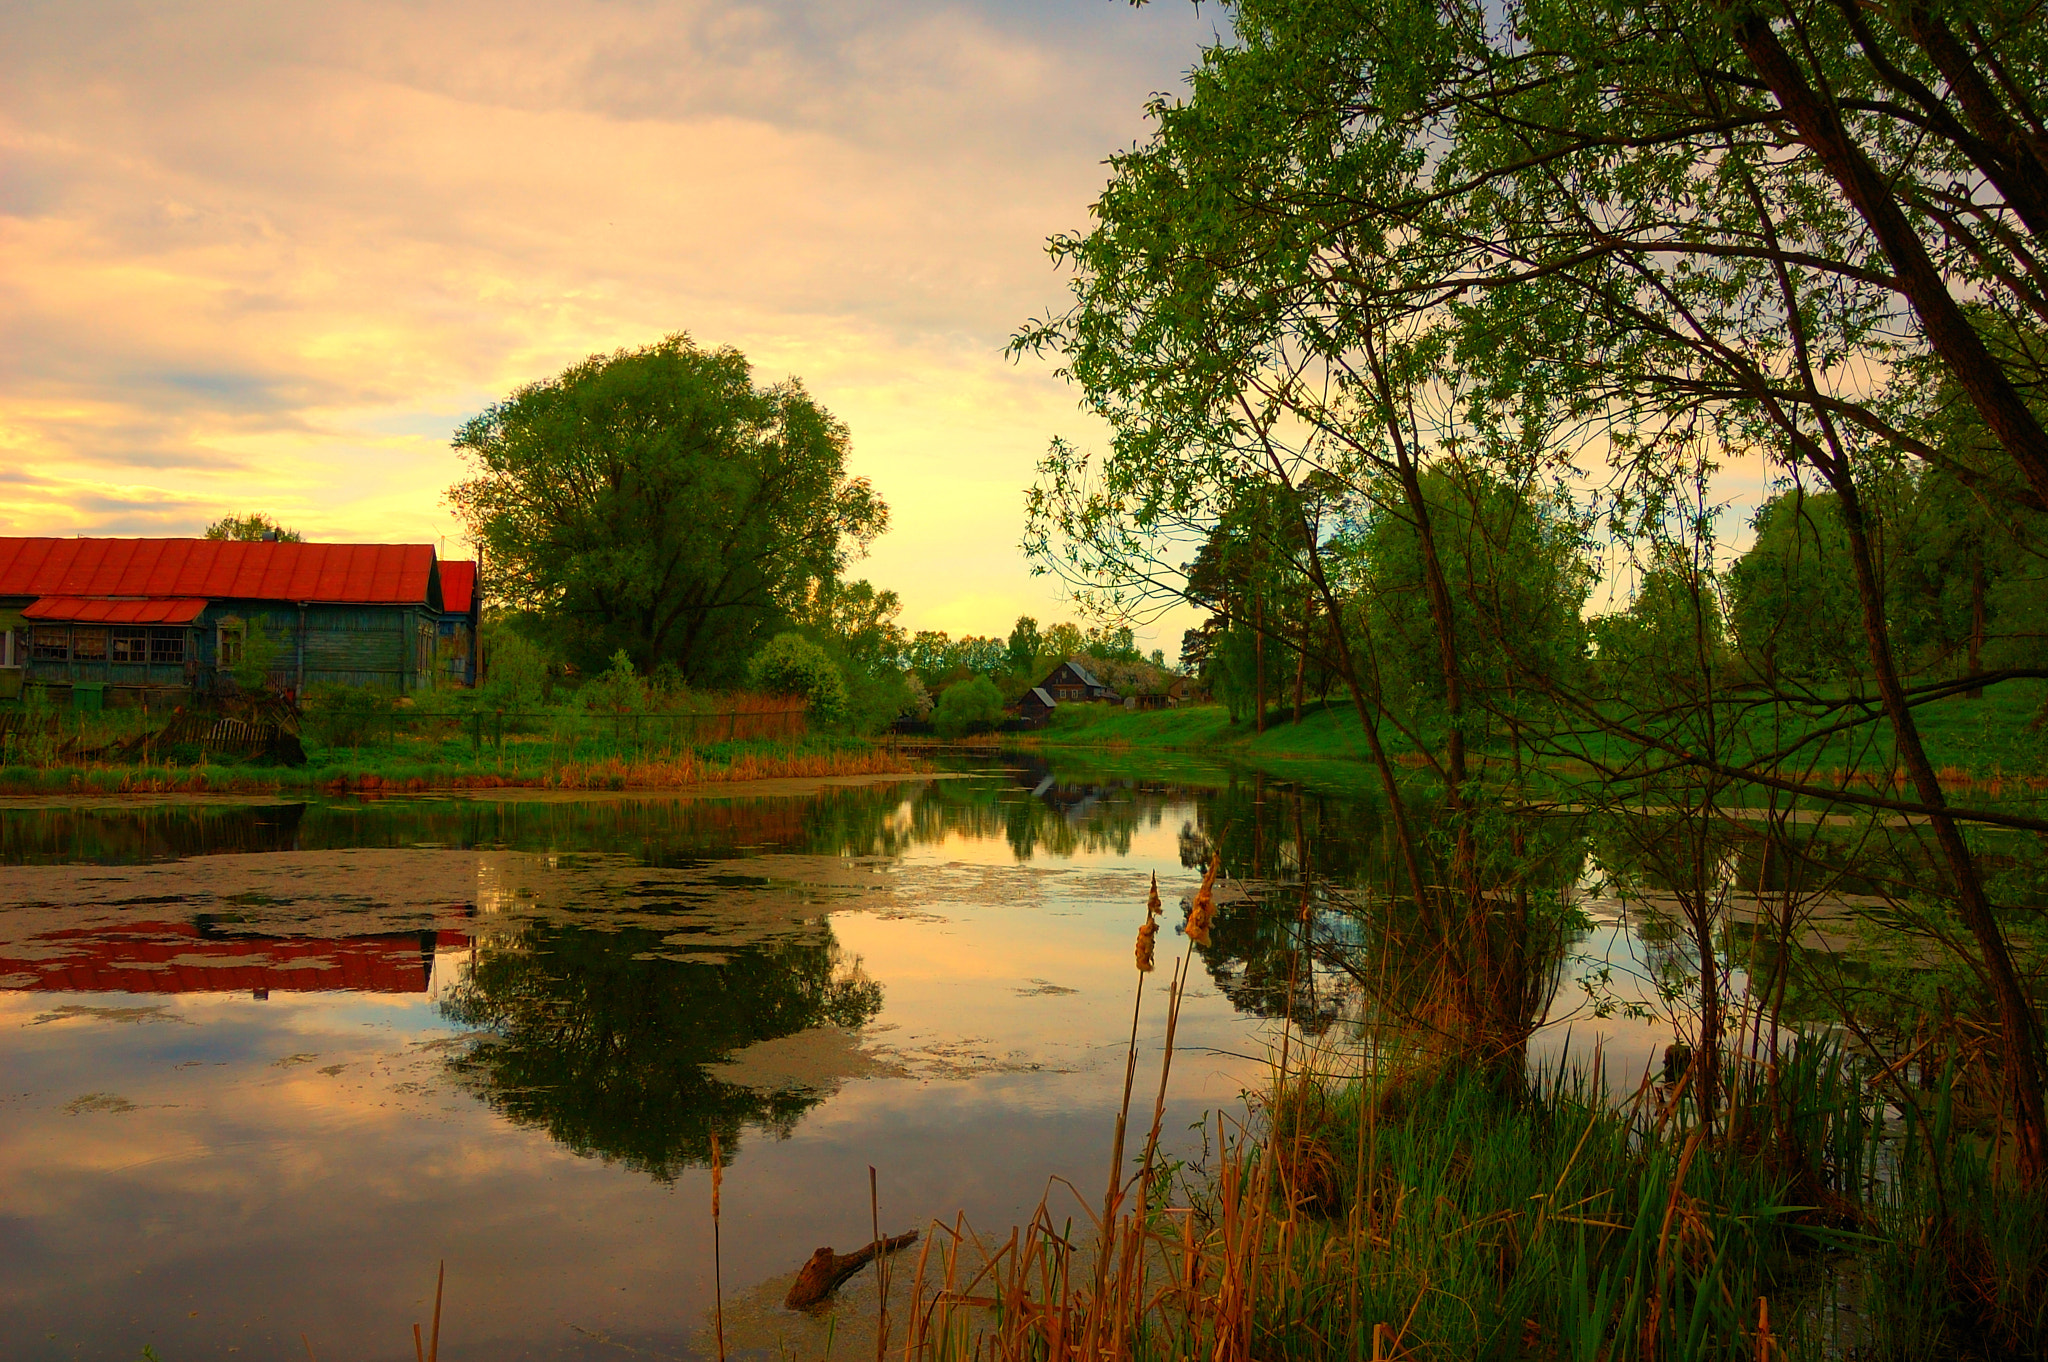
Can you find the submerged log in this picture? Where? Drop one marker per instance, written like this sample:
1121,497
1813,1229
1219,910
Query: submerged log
822,1275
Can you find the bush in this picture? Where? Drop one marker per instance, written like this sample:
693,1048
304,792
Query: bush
515,675
968,707
791,664
345,716
618,689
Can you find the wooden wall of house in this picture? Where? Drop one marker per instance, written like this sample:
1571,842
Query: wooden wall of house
389,647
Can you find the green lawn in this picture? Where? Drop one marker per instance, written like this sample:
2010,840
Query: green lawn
1982,738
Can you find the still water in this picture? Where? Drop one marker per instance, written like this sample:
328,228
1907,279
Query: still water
264,1065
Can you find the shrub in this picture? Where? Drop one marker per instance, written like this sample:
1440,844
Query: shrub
968,707
345,716
791,664
515,674
618,689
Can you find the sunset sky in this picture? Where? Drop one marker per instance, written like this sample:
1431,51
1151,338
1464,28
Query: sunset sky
267,257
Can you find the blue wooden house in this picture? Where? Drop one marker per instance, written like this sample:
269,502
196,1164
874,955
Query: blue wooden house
134,616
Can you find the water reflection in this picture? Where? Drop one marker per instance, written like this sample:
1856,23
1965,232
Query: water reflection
551,1003
604,1038
206,955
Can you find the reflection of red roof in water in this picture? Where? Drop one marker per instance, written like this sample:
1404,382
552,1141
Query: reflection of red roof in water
173,957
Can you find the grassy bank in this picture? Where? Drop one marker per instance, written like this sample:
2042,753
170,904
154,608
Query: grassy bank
423,765
1392,1196
1429,1216
1978,742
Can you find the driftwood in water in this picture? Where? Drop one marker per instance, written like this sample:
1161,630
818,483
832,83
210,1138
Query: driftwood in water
822,1275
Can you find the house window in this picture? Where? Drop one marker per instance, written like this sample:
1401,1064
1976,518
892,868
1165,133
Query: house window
52,643
232,636
167,646
89,645
131,645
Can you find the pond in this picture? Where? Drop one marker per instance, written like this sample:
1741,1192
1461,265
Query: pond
268,1064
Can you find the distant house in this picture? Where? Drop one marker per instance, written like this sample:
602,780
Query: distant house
1036,706
139,615
1071,681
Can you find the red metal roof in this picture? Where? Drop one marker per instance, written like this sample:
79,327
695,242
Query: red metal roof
79,610
352,574
458,587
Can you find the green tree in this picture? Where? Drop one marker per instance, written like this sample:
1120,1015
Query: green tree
1023,645
1516,567
618,689
1791,614
968,707
515,672
657,500
793,665
259,651
250,528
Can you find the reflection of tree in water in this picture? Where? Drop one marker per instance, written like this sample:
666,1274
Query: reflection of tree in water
602,1038
1039,818
1037,814
1361,945
138,835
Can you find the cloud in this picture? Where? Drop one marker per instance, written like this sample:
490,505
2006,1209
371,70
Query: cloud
272,255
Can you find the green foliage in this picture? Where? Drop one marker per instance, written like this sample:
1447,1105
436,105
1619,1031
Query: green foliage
1669,639
515,673
969,706
1793,601
1231,670
1023,644
618,689
259,653
1516,568
938,657
793,665
346,716
250,528
656,500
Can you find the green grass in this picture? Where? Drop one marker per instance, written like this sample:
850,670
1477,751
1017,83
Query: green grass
420,763
1981,738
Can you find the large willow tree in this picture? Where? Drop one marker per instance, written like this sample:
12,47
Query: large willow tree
658,500
1549,238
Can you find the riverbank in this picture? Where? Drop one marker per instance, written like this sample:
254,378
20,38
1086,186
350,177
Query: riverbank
415,768
1987,744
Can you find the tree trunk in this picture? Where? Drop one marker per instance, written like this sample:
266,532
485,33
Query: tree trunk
2019,1029
1300,668
1259,659
1976,620
1949,332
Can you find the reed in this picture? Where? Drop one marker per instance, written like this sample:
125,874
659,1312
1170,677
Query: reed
1388,1200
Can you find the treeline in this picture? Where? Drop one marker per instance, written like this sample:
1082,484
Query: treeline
654,522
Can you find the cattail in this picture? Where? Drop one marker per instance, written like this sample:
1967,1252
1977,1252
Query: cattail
1202,912
1147,934
1152,903
717,1174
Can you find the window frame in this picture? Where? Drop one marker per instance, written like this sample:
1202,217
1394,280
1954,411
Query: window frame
43,645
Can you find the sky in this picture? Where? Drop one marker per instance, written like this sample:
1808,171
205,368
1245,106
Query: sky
263,257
